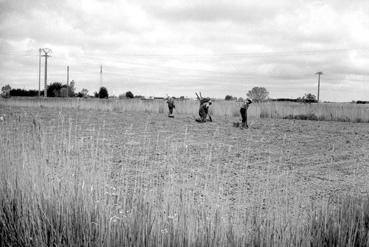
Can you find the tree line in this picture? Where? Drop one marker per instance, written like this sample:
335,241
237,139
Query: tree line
55,89
260,94
58,89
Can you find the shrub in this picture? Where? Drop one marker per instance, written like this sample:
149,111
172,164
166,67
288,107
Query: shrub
23,92
230,97
5,91
103,93
129,95
309,98
83,93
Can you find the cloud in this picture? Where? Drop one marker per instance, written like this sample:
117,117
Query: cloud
176,46
246,12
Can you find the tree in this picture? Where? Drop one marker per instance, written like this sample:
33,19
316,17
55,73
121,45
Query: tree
58,89
229,97
129,95
54,89
5,91
103,93
83,93
258,94
309,98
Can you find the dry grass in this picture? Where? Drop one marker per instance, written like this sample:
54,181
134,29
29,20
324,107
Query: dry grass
344,112
64,184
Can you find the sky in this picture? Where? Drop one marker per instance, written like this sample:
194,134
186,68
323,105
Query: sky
179,47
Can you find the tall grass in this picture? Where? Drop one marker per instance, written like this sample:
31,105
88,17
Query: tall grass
62,185
324,111
190,107
344,112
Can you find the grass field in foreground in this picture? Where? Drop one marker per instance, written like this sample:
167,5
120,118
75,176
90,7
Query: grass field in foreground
104,178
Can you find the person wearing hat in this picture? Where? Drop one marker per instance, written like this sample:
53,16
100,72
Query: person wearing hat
171,106
204,112
205,103
245,105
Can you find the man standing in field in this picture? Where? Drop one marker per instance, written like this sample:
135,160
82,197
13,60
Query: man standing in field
245,105
171,106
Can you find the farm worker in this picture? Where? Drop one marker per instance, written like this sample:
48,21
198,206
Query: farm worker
204,111
204,108
245,105
171,105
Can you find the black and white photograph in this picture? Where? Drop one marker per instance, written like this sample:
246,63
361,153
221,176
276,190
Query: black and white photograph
184,123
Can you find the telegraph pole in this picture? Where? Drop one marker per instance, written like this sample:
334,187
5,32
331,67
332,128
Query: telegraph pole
67,81
319,73
101,76
39,72
46,55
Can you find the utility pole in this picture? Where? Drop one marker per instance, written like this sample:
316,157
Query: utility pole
319,73
39,72
46,55
67,81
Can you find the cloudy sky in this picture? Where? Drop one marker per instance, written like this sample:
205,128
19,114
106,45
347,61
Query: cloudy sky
177,47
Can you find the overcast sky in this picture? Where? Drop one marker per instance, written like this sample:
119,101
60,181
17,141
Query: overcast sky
177,47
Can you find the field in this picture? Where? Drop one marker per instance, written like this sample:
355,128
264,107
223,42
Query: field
113,176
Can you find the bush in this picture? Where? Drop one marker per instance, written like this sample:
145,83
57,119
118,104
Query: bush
103,93
23,92
57,89
230,97
5,91
309,98
83,93
129,95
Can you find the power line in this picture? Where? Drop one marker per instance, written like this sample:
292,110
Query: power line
237,54
226,54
